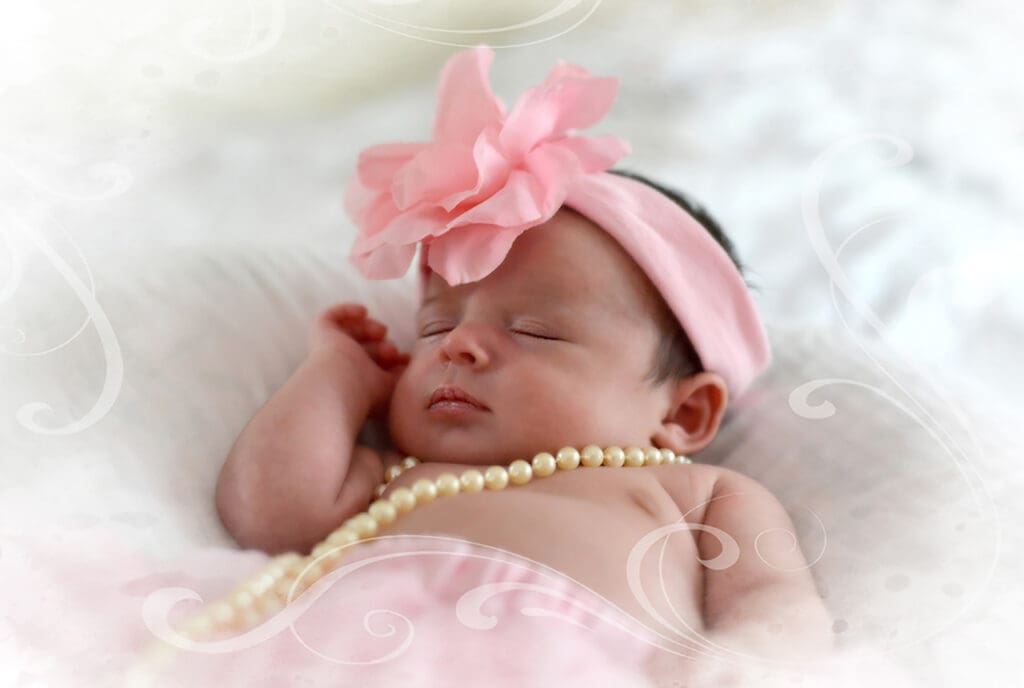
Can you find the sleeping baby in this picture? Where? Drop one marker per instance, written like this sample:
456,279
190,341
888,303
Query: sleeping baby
579,335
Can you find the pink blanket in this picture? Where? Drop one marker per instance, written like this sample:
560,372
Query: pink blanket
399,611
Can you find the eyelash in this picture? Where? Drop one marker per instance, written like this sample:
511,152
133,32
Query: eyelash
528,334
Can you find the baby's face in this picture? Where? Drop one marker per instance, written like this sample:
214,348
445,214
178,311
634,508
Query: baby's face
555,342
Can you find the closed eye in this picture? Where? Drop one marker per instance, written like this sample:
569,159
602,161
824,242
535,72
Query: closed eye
537,336
528,334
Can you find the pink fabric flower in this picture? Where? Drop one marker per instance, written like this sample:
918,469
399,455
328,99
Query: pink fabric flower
485,178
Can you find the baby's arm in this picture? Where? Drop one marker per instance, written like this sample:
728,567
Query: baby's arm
765,603
281,486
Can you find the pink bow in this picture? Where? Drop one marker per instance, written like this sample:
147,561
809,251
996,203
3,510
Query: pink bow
485,178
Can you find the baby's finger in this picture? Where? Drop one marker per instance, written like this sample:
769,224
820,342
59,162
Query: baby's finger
386,354
350,307
365,331
377,350
392,358
343,315
348,310
375,328
396,365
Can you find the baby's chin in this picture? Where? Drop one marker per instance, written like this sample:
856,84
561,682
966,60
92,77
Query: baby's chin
458,445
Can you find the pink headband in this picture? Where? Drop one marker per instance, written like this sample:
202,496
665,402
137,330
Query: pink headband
487,177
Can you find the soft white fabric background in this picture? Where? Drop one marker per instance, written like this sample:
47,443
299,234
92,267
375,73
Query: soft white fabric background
170,205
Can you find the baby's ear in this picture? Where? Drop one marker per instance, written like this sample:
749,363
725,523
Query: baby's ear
697,405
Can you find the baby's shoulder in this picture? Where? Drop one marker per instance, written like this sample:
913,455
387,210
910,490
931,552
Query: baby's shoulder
691,485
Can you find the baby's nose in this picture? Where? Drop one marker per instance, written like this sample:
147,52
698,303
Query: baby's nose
464,345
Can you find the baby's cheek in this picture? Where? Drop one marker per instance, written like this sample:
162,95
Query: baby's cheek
545,412
402,394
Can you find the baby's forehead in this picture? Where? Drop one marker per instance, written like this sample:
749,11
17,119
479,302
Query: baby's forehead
571,259
625,295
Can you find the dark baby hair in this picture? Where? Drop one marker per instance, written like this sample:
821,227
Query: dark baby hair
675,357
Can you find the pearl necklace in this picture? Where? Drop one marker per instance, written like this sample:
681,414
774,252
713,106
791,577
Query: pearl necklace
290,574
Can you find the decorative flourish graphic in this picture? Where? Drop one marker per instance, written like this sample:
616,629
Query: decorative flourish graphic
794,542
158,605
727,557
257,41
495,37
115,177
119,180
912,407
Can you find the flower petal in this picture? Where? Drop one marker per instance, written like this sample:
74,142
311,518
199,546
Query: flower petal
465,102
517,202
568,99
378,164
552,168
359,199
470,253
492,169
371,211
595,153
434,173
405,228
386,262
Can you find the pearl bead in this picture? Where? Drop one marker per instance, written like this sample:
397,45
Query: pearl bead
268,605
249,617
283,590
544,464
392,472
447,484
282,562
326,554
668,456
276,571
287,558
242,599
520,472
403,499
198,627
568,458
342,536
311,574
496,478
652,457
280,569
471,480
634,456
222,613
591,456
261,584
379,490
424,490
364,525
383,512
614,457
294,569
409,461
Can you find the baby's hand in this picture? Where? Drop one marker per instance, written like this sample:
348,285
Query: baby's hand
345,328
340,325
